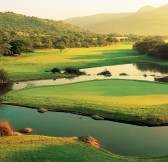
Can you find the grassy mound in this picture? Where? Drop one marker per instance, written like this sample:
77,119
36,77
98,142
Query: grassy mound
42,148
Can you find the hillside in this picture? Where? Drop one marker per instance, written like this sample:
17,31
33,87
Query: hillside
146,9
146,21
86,21
44,33
32,25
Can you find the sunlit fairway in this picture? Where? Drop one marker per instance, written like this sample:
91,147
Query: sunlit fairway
136,101
33,65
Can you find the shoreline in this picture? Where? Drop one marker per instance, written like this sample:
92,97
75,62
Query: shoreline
136,123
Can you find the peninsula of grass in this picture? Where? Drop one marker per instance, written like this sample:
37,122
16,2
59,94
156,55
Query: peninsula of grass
136,102
43,148
30,66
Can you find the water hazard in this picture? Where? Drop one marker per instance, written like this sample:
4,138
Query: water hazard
146,72
119,138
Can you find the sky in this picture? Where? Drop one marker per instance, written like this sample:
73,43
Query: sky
63,9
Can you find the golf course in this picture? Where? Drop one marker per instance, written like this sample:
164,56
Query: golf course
88,88
128,101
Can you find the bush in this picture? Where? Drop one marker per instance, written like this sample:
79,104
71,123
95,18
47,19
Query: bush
105,73
162,79
5,87
5,129
74,71
123,74
55,70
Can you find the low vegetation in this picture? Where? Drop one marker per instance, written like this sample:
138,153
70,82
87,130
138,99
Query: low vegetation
55,70
73,71
5,129
123,100
105,73
162,79
123,74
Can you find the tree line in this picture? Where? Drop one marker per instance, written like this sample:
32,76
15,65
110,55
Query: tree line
11,44
21,33
152,47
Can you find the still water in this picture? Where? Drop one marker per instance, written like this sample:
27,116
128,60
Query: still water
123,139
146,72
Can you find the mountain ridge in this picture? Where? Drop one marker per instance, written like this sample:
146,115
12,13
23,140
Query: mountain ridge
146,21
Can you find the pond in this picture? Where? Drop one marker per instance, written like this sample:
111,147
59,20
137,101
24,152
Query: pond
119,138
143,71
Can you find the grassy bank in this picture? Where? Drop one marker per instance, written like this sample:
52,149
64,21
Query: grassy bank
123,100
42,148
34,65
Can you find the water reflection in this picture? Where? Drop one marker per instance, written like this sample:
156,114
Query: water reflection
144,67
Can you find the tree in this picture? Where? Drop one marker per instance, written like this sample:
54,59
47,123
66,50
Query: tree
59,45
161,50
20,45
141,47
147,45
111,40
101,41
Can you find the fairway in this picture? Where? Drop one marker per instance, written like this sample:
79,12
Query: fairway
119,99
33,65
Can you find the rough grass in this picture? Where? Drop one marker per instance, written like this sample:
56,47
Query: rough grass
5,129
42,148
33,65
118,99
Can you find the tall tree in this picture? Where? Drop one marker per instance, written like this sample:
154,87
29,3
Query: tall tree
20,45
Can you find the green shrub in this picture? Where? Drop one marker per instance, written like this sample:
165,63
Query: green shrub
55,70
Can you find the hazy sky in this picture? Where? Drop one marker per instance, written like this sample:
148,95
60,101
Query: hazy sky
62,9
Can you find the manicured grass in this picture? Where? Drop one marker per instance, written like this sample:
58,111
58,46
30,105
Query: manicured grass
33,65
42,148
130,101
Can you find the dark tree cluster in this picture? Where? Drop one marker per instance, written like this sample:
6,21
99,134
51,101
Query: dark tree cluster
152,47
14,45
